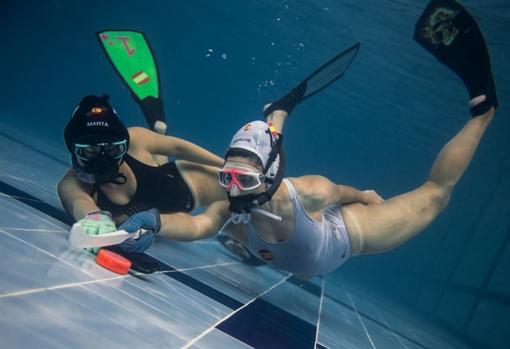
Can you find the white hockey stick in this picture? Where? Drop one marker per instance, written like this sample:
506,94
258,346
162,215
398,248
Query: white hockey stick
79,238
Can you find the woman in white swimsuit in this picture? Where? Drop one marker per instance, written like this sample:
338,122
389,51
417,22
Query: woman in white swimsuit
322,223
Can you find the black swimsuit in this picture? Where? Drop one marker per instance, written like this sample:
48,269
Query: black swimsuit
160,187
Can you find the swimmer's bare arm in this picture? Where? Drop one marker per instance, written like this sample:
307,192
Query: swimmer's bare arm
75,196
185,227
172,146
318,192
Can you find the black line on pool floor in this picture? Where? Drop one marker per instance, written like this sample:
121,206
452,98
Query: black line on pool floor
264,325
201,287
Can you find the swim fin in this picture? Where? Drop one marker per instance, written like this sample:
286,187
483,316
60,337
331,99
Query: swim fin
451,34
317,81
134,61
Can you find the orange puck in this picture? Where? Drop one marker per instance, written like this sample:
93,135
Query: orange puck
113,261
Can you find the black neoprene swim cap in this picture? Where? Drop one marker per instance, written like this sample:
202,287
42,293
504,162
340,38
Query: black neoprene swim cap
94,121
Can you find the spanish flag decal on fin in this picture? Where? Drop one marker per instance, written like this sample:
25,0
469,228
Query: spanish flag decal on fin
141,78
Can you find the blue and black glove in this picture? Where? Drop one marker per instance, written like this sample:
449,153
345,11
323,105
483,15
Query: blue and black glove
150,222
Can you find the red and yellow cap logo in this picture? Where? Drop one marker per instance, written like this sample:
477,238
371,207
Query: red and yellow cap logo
96,111
273,130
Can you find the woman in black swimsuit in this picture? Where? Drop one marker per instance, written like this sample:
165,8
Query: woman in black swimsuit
114,175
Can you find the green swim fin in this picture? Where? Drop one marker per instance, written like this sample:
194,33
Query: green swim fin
451,34
132,57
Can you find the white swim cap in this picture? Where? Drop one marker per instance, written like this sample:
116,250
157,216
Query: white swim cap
256,137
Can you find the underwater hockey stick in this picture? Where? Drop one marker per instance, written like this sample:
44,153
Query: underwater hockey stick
78,237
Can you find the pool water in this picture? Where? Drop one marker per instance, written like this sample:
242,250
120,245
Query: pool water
379,127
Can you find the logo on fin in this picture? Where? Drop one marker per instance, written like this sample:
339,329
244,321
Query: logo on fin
440,27
125,41
140,78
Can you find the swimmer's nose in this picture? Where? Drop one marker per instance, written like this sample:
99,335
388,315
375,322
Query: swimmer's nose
234,190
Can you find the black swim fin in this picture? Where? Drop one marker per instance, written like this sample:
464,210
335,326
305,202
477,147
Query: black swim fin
451,34
289,101
317,81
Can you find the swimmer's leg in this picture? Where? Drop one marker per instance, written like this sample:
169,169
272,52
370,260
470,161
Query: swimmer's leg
381,227
277,119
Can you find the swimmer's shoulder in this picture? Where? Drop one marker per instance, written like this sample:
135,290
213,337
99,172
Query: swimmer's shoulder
312,190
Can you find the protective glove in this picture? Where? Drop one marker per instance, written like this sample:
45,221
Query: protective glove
97,223
149,221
